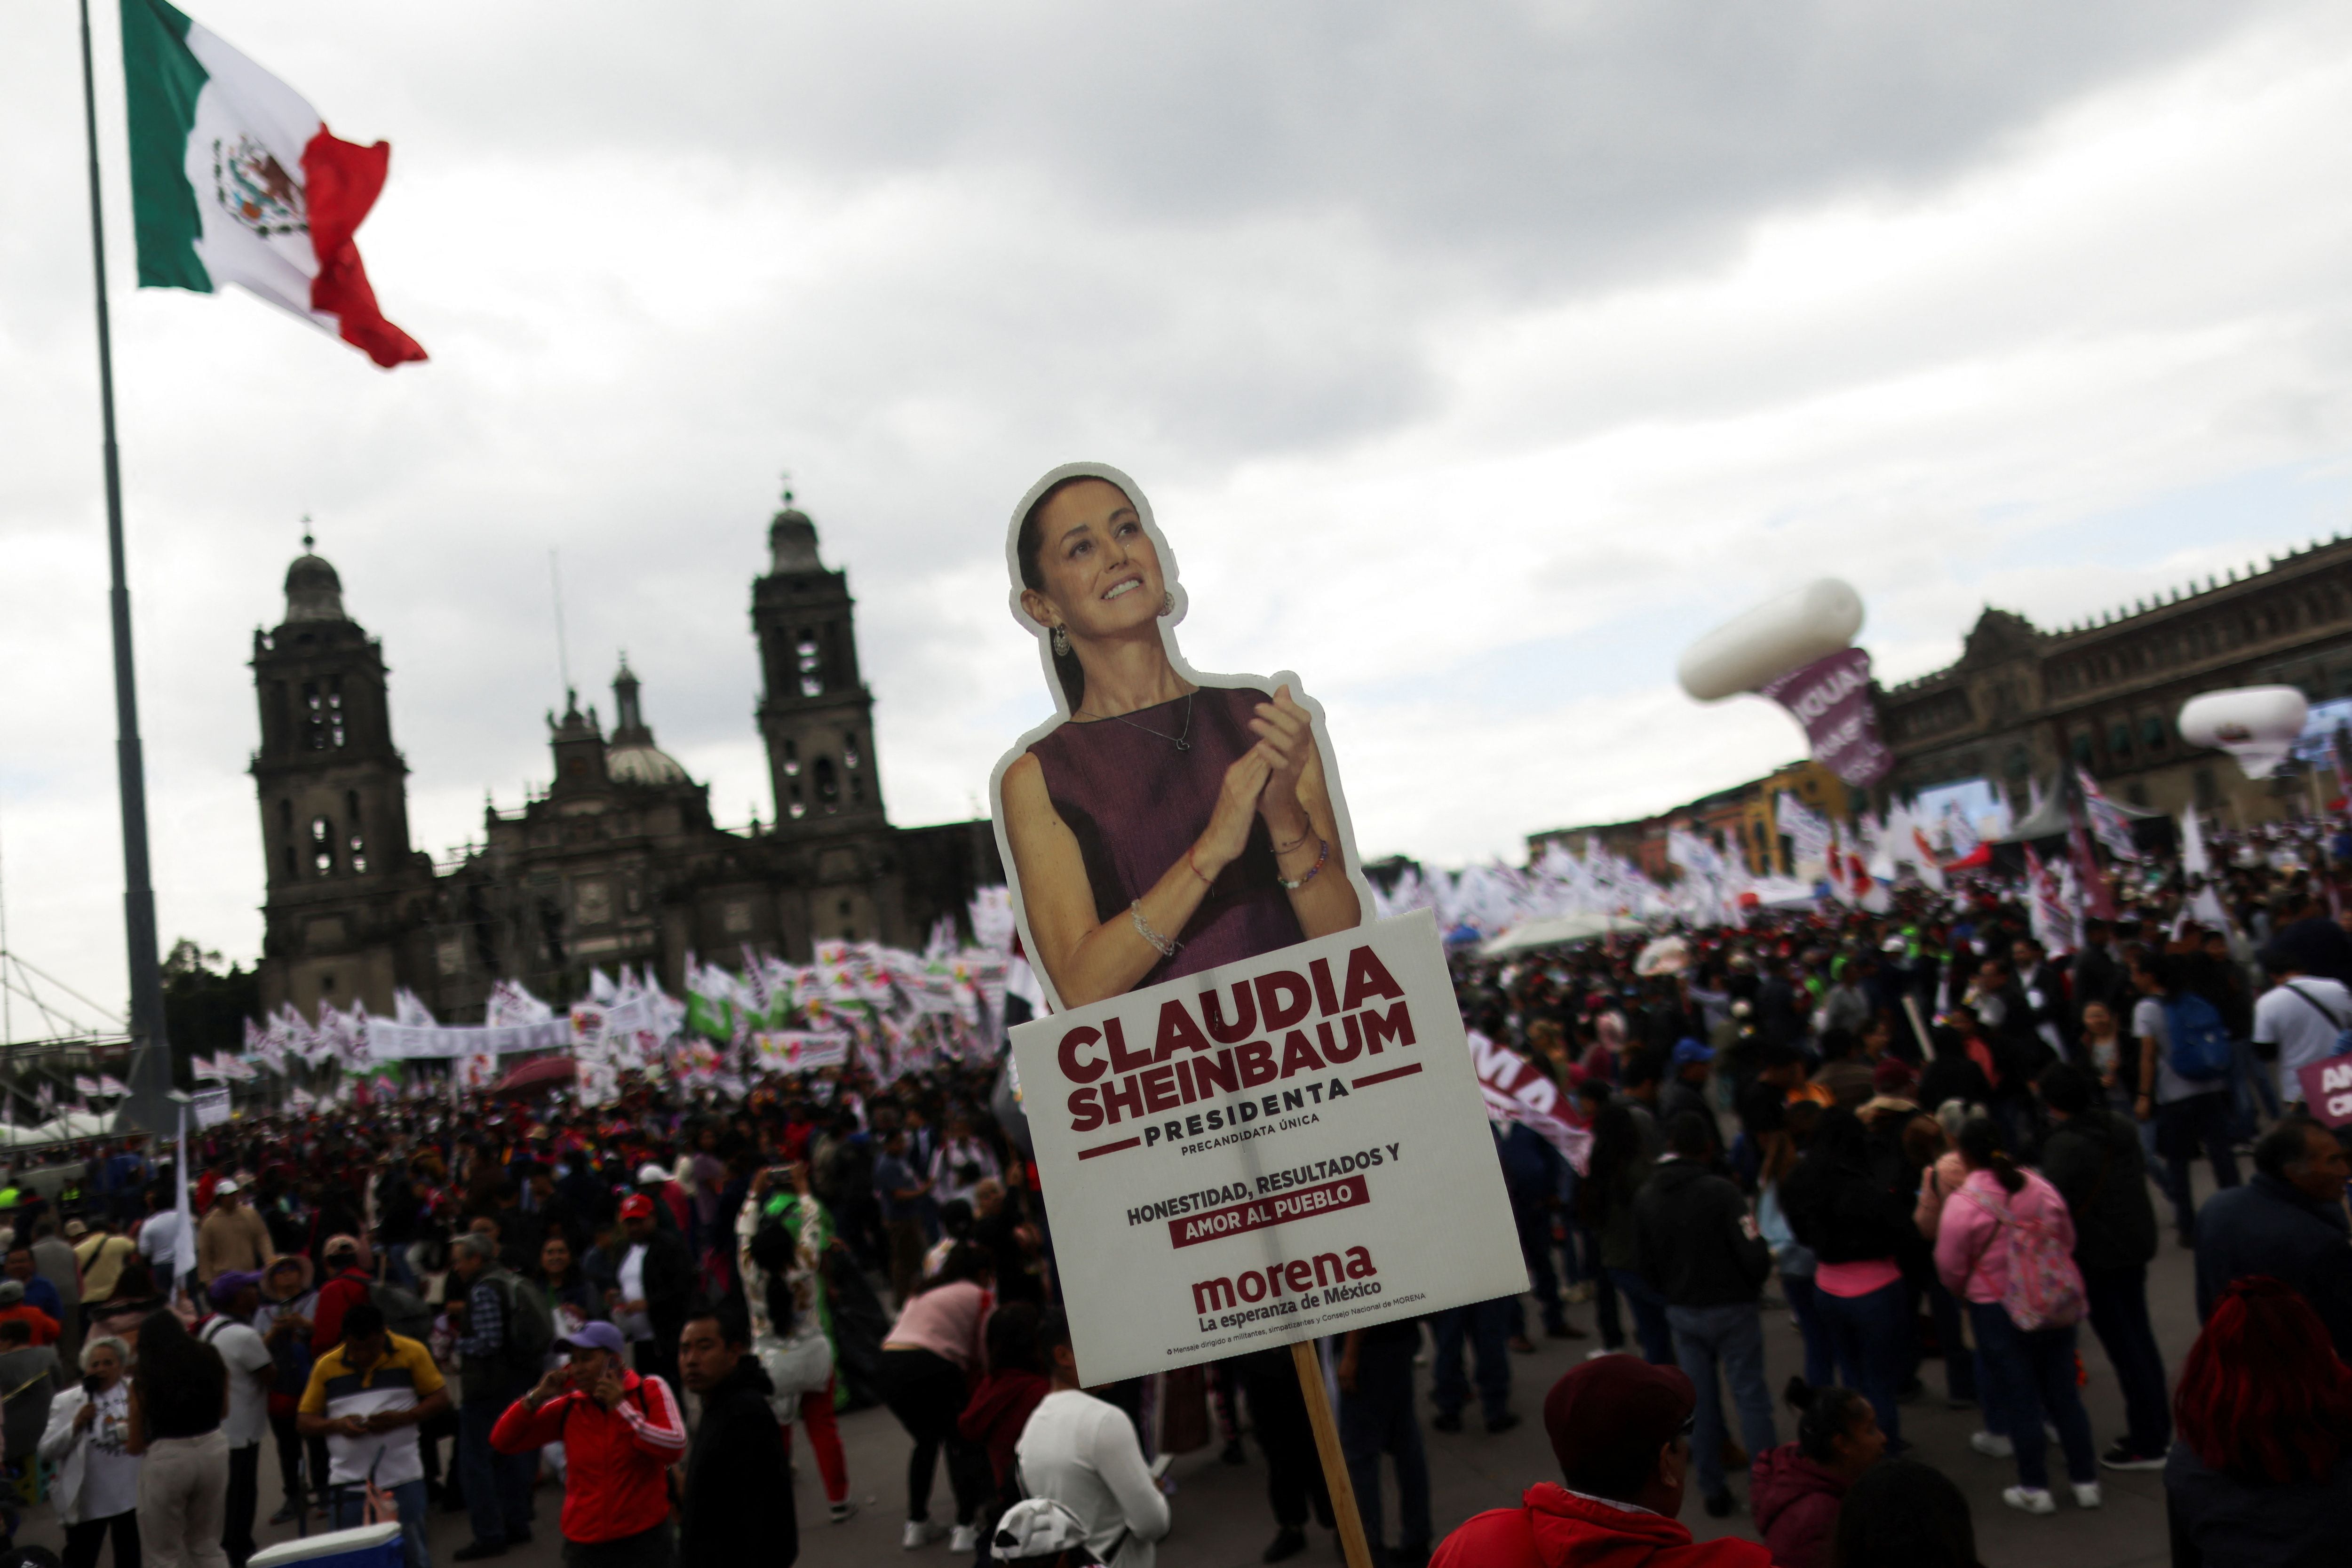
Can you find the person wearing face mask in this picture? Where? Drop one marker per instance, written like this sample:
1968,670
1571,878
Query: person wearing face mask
1163,828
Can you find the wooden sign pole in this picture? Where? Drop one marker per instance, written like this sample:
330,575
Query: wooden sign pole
1327,1446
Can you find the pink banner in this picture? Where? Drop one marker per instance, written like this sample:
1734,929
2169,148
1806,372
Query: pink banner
2327,1089
1830,697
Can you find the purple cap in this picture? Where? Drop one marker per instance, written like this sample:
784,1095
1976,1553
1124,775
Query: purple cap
225,1287
595,1336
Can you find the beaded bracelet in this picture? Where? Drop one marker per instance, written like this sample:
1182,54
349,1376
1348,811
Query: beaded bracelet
1162,945
1322,854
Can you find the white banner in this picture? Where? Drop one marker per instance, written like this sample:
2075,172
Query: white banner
209,1107
393,1042
1285,1147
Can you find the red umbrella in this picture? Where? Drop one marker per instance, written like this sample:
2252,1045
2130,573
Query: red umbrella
541,1072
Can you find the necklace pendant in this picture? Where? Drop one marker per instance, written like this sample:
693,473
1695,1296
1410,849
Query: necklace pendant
1183,745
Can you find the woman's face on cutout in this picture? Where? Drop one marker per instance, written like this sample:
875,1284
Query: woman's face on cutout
1101,571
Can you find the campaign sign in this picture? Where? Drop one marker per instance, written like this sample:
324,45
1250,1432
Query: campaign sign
1280,1148
2327,1089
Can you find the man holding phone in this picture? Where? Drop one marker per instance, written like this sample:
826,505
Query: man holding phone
621,1432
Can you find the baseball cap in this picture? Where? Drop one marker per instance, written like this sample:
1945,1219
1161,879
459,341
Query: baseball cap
637,1206
1037,1527
651,1171
593,1336
225,1287
339,1245
11,1292
1689,1051
224,1186
1604,1413
76,1228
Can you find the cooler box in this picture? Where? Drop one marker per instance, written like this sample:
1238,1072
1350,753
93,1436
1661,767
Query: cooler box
368,1546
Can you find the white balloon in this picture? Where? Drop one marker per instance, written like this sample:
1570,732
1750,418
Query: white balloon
2258,725
1775,637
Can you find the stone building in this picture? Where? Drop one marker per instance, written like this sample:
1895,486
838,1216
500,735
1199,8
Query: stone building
617,861
2020,701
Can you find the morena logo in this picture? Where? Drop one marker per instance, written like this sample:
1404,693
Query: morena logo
1298,1276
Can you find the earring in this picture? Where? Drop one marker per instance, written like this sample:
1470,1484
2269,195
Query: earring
1060,641
1167,604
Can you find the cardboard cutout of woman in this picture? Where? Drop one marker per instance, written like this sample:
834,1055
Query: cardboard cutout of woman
1163,822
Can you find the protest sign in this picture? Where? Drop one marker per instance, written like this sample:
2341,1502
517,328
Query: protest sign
210,1106
2327,1089
1285,1147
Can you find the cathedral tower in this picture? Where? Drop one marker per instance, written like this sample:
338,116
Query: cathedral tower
333,797
815,714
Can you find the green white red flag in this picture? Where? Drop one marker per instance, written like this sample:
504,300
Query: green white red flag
233,179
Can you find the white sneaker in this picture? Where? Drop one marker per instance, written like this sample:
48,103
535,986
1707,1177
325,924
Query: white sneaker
1993,1445
921,1532
966,1538
2029,1500
2086,1494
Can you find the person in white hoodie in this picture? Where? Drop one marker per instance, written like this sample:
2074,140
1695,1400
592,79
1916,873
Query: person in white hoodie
1082,1453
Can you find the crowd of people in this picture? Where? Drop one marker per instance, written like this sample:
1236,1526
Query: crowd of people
1925,1134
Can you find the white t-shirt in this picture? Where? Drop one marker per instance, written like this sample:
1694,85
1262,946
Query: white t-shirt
2149,1022
247,1421
1081,1452
633,1325
2302,1017
159,1239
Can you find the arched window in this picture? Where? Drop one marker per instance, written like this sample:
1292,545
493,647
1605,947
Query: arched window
357,838
796,807
314,718
828,787
791,759
2119,738
335,712
322,847
812,674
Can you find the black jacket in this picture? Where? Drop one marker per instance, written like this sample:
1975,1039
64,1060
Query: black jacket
669,1283
2094,1161
2220,1521
1694,1240
1847,1212
738,1508
2269,1227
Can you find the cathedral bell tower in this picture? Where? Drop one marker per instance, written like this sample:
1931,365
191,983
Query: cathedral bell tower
333,796
815,714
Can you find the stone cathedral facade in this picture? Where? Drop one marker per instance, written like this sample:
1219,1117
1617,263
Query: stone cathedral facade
617,861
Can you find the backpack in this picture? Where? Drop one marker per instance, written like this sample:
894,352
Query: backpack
2044,1288
530,1328
404,1311
2201,1045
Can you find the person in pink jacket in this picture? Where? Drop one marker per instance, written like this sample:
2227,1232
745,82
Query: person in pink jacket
2027,1374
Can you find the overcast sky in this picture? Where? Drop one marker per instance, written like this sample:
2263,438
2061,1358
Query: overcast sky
1475,358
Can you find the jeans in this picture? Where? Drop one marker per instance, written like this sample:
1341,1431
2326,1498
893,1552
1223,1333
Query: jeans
2118,1303
84,1539
2181,1126
2249,1085
1872,1338
243,1495
926,1393
498,1485
1533,1223
351,1511
1959,1361
1820,1367
1378,1418
1731,1337
1486,1325
1649,1317
1295,1484
2030,1376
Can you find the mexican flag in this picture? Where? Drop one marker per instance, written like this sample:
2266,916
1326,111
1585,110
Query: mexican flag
234,180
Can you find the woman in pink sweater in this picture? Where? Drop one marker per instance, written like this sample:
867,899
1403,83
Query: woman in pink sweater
929,1362
2028,1374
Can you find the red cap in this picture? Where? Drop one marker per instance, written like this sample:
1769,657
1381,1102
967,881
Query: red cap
637,1206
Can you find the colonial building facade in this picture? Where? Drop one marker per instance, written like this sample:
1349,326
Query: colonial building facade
2021,702
617,861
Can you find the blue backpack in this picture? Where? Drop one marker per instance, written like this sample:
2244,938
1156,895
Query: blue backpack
2201,1045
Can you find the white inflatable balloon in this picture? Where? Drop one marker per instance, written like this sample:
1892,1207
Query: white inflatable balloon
1775,637
2258,725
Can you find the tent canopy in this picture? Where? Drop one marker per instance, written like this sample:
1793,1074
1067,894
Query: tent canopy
1555,930
2050,820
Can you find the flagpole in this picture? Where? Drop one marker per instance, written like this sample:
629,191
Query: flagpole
151,1067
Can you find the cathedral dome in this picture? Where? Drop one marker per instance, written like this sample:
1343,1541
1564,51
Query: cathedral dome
792,541
313,591
643,765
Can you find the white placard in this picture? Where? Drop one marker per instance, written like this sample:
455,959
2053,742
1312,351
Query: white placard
209,1107
1285,1147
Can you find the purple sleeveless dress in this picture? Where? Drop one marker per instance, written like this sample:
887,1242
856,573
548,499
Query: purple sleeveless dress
1138,804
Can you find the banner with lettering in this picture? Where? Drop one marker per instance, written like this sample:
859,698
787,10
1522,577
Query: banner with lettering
1284,1147
1830,697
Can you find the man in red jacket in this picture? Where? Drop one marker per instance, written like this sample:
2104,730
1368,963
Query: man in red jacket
1620,1430
621,1434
